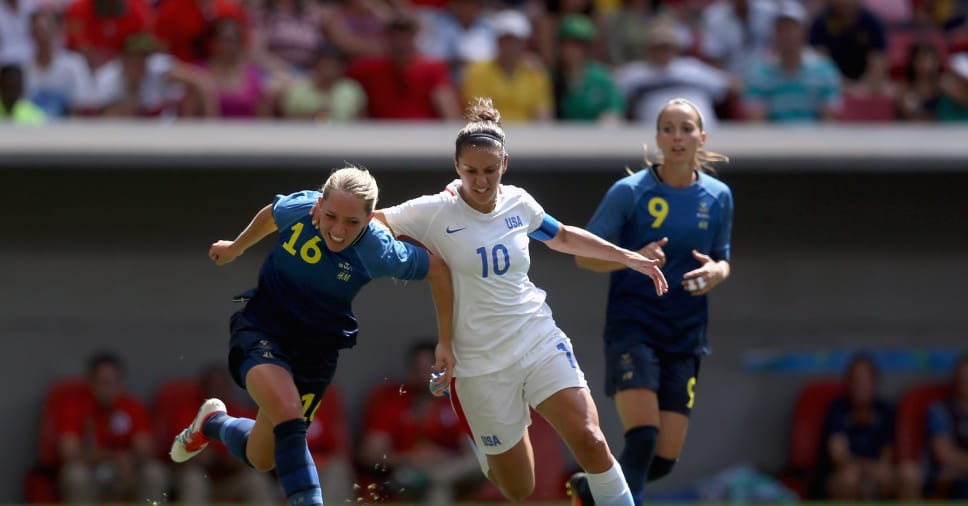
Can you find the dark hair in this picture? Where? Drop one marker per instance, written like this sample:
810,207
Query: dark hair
104,358
422,346
300,6
861,358
329,51
913,52
11,68
483,128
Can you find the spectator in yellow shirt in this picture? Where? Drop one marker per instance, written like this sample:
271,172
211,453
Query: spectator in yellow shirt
13,106
516,80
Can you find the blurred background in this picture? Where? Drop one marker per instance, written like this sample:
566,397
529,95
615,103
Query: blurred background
133,135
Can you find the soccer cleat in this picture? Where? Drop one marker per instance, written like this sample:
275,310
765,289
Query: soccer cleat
578,490
192,441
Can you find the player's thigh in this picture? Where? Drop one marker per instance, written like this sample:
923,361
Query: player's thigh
513,470
494,408
676,396
573,414
273,390
556,387
633,379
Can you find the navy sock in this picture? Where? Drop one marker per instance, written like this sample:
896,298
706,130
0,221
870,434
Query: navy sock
637,457
232,432
295,466
660,467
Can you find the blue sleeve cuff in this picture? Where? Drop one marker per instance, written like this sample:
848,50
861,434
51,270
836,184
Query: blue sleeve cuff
547,230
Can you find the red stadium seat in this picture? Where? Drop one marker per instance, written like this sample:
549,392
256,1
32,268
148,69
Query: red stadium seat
40,484
806,432
868,108
912,412
552,468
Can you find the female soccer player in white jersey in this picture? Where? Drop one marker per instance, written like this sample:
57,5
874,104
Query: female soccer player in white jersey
509,352
678,213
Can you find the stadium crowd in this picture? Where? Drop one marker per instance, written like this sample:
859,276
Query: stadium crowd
539,60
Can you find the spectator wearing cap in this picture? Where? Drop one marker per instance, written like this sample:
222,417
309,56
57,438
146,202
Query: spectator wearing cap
737,33
56,79
98,29
144,83
953,104
584,90
458,35
515,80
665,74
403,85
14,107
856,40
795,83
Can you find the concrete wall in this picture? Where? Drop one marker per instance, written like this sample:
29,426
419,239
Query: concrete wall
117,259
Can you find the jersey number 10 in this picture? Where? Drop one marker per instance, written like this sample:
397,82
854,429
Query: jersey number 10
497,262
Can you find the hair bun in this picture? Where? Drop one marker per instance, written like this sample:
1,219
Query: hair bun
482,110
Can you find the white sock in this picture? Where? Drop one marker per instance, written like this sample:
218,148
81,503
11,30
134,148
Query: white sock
609,488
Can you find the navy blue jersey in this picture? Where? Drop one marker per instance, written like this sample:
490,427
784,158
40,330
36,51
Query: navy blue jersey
866,440
639,209
305,291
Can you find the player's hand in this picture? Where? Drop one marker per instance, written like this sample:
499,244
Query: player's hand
654,251
702,280
651,269
445,363
223,252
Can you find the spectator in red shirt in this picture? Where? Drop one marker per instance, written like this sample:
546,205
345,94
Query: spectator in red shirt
403,85
185,25
105,442
214,475
98,28
417,439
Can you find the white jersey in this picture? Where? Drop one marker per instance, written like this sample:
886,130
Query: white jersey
499,314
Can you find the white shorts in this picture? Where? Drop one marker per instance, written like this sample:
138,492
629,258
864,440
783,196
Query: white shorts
496,405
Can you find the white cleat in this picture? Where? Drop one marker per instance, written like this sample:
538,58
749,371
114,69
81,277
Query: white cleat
192,441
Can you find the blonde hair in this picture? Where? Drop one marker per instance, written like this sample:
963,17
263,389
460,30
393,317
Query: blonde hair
483,126
704,157
356,181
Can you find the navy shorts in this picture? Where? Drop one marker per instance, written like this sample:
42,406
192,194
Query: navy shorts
250,346
672,376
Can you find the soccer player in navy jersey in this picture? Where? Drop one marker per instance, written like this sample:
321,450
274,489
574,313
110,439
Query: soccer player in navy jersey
678,213
285,342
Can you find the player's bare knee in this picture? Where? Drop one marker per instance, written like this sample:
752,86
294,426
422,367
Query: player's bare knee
518,491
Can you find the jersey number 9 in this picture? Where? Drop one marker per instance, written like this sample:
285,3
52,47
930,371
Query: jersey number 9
659,209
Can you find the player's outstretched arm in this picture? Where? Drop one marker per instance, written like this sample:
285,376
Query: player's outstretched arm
582,243
263,224
651,250
442,290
